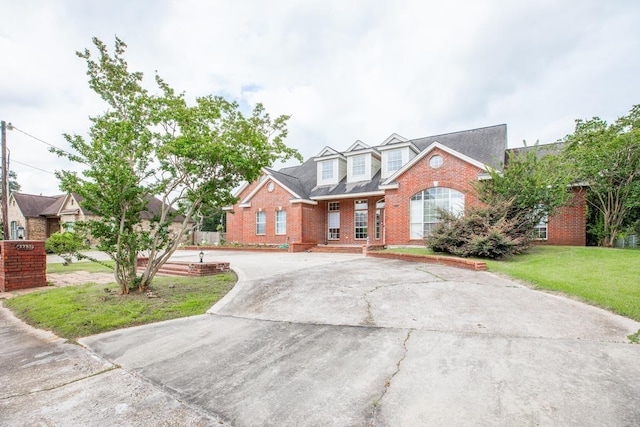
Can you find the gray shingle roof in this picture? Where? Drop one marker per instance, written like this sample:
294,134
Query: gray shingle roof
486,145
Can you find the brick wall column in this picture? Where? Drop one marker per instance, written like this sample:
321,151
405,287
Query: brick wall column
23,264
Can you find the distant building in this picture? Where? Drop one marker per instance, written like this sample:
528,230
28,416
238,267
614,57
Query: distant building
36,217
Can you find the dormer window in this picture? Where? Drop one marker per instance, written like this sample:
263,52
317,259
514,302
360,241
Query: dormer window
394,161
327,170
359,165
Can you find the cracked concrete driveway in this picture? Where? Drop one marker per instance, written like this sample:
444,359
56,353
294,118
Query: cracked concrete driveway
317,339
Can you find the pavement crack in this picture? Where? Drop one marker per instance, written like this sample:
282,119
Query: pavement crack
369,320
57,386
387,383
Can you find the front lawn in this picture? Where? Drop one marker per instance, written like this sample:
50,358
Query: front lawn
81,310
608,278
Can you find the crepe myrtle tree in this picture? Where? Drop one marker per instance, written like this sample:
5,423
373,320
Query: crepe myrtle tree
533,185
149,147
607,157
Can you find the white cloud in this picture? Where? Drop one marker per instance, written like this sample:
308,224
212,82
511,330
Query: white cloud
342,70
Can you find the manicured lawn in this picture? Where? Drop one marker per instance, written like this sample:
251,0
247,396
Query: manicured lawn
81,310
609,278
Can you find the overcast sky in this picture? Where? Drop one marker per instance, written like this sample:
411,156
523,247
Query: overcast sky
344,70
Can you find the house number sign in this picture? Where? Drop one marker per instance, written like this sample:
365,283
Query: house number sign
24,247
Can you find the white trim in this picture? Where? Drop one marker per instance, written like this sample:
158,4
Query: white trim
244,205
358,145
329,157
390,186
424,153
240,189
372,151
265,182
349,196
304,201
228,208
327,151
400,145
393,138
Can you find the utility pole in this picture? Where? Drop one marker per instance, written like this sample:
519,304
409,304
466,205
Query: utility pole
5,193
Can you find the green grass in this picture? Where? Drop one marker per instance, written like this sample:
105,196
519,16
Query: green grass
82,310
91,267
604,277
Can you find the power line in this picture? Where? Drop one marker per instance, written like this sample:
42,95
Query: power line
38,139
33,167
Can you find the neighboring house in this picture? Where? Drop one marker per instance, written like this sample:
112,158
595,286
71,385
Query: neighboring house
34,217
383,195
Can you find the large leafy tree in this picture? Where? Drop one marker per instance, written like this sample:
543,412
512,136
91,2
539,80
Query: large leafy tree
532,186
607,157
148,147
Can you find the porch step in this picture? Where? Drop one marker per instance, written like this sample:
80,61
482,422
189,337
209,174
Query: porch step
337,249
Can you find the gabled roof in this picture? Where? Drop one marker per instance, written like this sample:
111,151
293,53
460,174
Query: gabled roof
328,152
393,138
425,152
32,205
358,145
481,147
486,145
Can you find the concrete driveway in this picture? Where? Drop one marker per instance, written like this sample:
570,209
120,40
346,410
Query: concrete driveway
319,339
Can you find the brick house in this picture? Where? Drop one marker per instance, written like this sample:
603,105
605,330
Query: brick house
382,195
36,217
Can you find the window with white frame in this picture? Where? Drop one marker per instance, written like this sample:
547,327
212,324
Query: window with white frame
281,222
361,219
261,223
424,208
358,165
541,229
327,169
334,221
394,160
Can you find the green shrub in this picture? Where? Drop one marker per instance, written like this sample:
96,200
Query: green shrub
65,244
483,232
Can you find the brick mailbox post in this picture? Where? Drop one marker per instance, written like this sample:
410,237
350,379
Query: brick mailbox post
23,264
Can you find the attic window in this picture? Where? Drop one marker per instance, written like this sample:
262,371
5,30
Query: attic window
435,161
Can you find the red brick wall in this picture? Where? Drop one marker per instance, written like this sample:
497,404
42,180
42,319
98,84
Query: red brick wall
308,223
241,225
23,264
568,225
454,173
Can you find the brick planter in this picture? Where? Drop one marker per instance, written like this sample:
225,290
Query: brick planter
23,264
433,259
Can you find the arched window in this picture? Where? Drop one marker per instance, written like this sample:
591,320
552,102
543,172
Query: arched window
424,208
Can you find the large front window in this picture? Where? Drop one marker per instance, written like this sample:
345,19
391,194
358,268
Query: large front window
261,223
424,209
281,222
361,219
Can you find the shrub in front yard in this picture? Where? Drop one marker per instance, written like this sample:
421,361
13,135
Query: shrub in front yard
483,232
